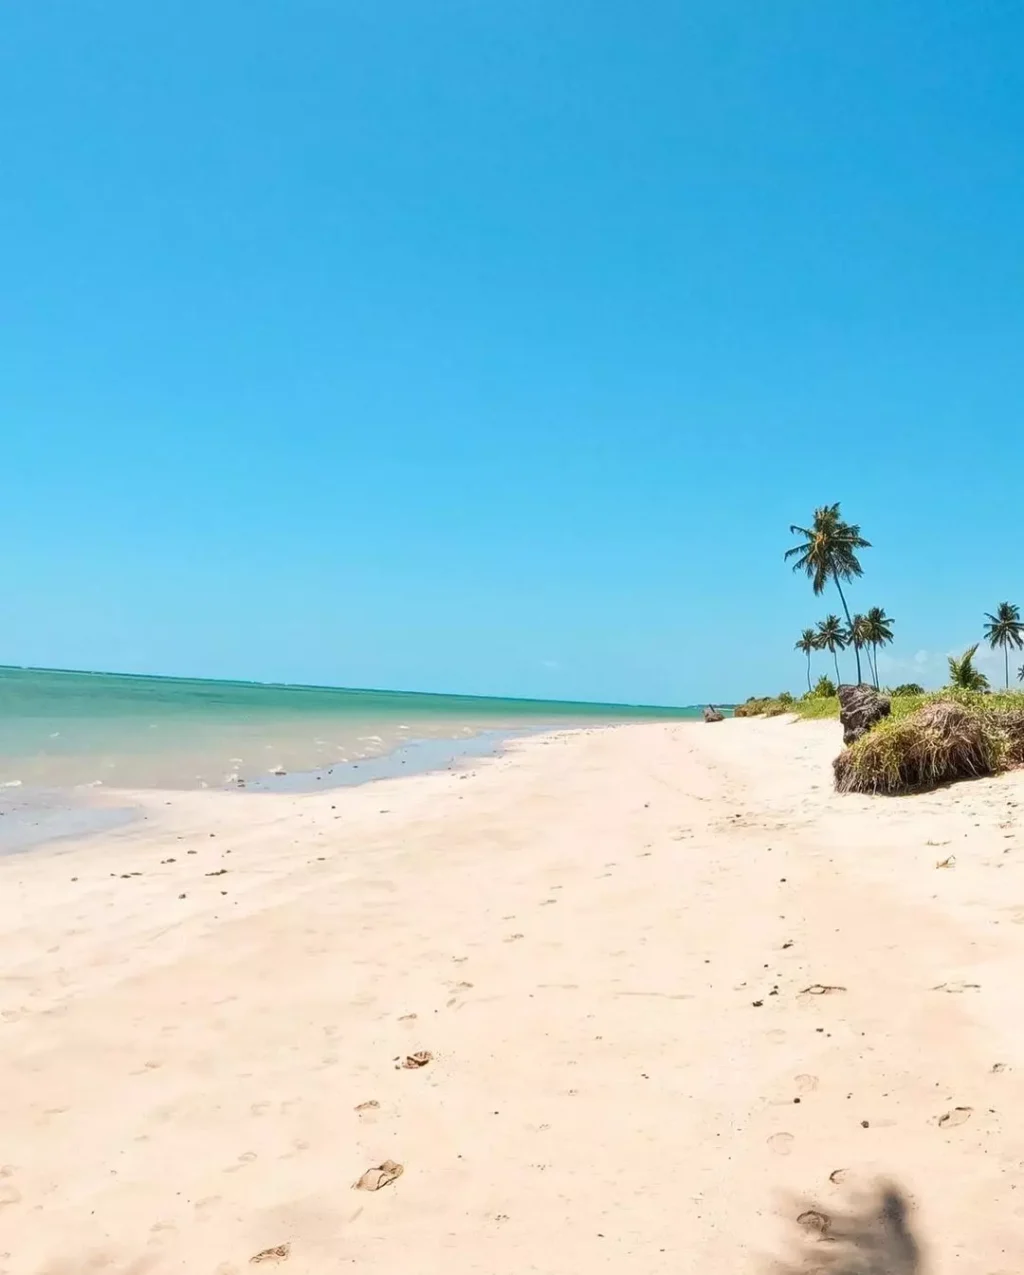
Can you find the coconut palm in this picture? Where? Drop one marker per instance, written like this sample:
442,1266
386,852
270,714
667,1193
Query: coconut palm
828,551
857,637
1005,629
1020,674
962,673
808,643
832,637
879,633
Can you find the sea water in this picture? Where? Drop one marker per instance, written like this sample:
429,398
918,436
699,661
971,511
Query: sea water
59,729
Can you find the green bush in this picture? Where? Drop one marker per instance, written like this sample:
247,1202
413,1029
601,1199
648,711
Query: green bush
907,688
824,688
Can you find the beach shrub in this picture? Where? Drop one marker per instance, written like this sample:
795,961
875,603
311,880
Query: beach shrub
907,688
824,688
755,706
963,676
946,739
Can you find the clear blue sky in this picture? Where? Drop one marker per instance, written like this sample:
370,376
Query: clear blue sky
489,347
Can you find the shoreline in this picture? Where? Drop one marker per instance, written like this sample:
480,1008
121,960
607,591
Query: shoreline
33,818
608,940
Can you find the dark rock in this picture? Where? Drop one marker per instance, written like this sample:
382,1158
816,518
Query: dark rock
711,714
860,707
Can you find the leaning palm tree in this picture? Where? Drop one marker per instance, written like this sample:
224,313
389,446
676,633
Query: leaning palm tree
1005,629
832,637
808,643
962,673
879,633
828,551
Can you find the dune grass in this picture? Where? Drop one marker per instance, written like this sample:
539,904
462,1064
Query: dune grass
929,738
935,739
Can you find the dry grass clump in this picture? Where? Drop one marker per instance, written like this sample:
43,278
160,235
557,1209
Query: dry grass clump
936,744
1010,722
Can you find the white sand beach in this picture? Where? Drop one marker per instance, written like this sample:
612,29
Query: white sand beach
614,945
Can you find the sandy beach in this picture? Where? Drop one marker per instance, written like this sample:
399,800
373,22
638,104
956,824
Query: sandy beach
675,991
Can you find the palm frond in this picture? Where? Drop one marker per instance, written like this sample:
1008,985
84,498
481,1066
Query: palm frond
1005,628
962,673
827,549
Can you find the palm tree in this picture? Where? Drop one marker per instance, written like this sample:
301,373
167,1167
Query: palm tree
1020,674
879,632
857,637
962,673
1005,629
828,551
832,637
807,642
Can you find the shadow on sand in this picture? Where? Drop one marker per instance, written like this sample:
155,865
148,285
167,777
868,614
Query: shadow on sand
873,1237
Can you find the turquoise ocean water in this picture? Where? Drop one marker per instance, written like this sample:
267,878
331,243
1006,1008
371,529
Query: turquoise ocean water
65,728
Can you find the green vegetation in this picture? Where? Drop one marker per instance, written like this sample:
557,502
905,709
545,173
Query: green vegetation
864,632
832,637
828,551
963,676
808,643
857,636
962,731
1006,630
808,706
933,745
879,633
935,740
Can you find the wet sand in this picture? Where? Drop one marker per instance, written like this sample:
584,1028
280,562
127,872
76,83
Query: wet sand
32,816
675,993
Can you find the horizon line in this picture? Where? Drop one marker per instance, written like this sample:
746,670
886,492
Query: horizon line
357,690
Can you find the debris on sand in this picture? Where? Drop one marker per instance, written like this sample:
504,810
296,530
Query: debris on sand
380,1175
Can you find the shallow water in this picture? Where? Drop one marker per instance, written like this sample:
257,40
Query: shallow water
59,729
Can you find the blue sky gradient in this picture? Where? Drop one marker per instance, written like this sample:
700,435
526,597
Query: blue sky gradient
493,348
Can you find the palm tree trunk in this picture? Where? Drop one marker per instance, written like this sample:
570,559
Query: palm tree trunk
836,659
1006,663
874,654
849,624
808,672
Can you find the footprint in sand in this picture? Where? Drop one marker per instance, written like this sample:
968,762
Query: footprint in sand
816,1222
417,1060
279,1253
781,1143
958,1116
806,1083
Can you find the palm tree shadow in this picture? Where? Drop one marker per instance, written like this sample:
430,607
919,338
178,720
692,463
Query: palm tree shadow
873,1238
